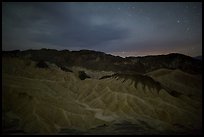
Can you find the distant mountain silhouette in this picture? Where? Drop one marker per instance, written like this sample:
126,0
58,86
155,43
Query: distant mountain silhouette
198,57
100,61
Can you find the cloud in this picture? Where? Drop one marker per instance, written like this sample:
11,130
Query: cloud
41,24
106,27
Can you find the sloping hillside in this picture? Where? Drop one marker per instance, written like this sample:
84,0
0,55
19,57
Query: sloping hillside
187,84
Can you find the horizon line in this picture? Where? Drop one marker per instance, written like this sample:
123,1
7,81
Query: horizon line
111,53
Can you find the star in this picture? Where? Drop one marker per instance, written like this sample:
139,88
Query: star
168,13
148,18
141,10
178,21
187,29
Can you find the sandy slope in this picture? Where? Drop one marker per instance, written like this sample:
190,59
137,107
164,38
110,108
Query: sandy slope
44,101
190,85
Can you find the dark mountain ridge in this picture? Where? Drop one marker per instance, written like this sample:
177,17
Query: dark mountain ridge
198,57
101,61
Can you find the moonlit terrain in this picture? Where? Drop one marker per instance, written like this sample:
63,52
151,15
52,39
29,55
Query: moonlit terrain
49,98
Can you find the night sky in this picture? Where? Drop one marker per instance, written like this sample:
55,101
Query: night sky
125,29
